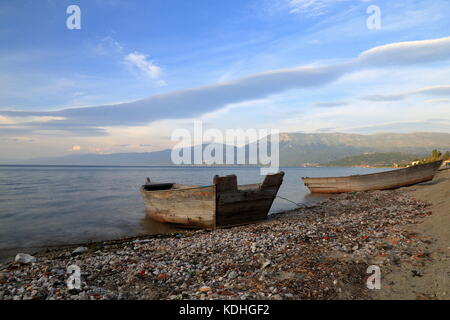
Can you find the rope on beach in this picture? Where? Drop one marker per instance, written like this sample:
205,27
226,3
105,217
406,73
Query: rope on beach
297,204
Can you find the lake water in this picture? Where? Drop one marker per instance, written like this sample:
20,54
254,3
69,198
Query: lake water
51,205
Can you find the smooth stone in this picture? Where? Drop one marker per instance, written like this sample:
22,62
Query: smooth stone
266,264
80,250
25,258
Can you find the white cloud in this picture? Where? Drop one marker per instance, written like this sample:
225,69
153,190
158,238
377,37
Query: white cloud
108,46
6,120
442,90
331,104
195,102
311,7
372,117
28,119
407,53
22,139
140,61
314,7
438,101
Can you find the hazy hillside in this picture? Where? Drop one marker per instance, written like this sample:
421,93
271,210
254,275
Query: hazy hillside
295,149
114,159
299,148
374,160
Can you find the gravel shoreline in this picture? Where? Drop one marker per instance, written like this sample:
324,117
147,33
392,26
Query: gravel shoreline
320,252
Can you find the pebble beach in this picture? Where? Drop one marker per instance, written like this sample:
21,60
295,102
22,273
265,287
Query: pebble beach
317,252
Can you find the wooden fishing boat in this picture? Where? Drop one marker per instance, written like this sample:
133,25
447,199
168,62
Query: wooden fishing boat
375,181
222,204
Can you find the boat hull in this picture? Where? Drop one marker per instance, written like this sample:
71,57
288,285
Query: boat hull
194,207
376,181
223,204
243,206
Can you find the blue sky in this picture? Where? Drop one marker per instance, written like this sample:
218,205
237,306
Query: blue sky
137,70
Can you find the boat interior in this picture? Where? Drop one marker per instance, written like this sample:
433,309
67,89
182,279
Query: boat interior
223,184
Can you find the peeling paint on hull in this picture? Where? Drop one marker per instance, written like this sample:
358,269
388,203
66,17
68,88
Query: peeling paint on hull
223,204
375,181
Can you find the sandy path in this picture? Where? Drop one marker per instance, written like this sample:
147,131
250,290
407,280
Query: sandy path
430,280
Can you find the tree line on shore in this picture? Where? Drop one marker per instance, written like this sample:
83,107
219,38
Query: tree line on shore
435,156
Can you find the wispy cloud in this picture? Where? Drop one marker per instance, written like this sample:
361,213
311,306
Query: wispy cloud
22,139
443,90
383,97
331,104
438,101
141,62
194,102
107,46
407,126
312,7
407,53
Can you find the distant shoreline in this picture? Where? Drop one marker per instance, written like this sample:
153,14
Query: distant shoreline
177,166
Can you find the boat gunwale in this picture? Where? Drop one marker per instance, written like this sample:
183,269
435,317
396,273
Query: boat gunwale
372,174
255,185
176,189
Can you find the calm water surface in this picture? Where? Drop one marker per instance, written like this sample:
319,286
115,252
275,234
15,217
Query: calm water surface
42,206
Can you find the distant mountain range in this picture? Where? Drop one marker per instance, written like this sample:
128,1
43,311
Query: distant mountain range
301,148
296,149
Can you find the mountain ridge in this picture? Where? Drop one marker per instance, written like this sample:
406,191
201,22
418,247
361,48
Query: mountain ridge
296,149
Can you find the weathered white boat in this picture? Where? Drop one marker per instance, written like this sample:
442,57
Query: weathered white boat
223,204
375,181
